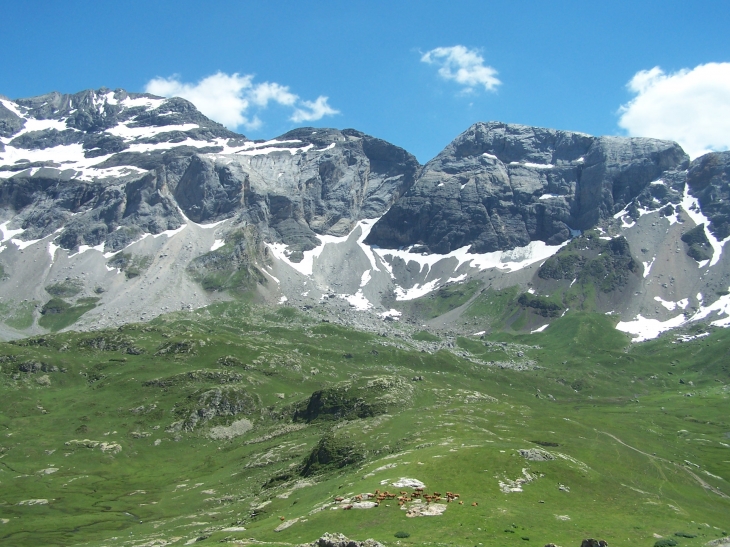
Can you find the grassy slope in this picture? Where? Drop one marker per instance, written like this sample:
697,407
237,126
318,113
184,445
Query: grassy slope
619,415
440,301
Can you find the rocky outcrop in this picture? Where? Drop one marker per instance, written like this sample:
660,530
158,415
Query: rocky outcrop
708,179
339,540
499,186
201,408
10,123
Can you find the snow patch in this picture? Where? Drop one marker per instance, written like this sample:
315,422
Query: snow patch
131,133
208,226
52,248
306,266
510,261
357,300
646,329
170,233
540,329
691,206
647,267
720,306
8,233
270,149
671,306
23,244
10,105
393,313
84,248
416,291
365,279
681,338
217,244
272,277
147,102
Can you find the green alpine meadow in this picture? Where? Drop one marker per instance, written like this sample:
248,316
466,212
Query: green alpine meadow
246,425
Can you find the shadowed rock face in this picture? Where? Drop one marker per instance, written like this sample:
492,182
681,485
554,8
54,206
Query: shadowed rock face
343,177
499,186
708,179
10,123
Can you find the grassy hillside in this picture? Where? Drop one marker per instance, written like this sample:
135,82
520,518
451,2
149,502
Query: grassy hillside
231,422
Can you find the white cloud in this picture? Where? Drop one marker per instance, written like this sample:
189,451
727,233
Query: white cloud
313,110
690,106
463,65
263,93
230,98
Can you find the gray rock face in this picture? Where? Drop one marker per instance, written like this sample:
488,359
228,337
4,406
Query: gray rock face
499,186
708,179
89,213
10,123
137,177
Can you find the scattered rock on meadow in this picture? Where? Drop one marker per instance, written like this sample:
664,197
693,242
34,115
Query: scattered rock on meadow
236,429
420,509
404,482
536,455
39,501
340,540
284,525
43,380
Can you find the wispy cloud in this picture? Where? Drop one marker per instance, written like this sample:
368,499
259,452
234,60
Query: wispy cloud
235,100
690,106
313,110
464,66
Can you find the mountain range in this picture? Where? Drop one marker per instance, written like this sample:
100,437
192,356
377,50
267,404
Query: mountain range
118,207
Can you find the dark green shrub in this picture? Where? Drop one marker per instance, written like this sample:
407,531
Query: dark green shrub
402,534
540,304
55,306
65,288
665,542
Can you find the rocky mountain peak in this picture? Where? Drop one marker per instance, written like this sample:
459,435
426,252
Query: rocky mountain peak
499,186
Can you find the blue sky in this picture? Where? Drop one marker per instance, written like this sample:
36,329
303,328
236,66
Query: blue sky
560,64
